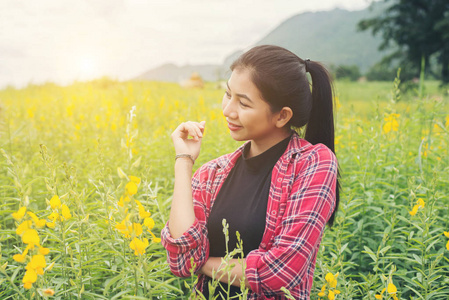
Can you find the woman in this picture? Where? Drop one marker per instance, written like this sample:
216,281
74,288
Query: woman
278,190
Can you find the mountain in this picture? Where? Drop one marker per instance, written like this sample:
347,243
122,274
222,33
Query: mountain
327,36
171,72
330,37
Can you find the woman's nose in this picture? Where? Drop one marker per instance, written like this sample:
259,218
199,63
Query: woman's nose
229,109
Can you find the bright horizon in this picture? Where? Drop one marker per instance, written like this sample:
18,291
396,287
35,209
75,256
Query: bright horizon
48,40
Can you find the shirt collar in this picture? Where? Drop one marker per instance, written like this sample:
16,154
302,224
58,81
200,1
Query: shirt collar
295,146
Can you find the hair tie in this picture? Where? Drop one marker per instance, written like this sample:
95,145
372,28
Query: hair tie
306,62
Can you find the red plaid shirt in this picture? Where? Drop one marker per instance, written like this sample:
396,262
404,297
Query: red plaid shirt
300,202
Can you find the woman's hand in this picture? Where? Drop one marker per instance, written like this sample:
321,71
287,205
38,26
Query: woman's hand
185,145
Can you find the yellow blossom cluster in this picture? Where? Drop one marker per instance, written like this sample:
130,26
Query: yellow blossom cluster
391,123
446,234
330,287
391,292
135,210
420,204
34,252
60,212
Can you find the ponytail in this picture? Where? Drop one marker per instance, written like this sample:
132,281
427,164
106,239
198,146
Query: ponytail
320,128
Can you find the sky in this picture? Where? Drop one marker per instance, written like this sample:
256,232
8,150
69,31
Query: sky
67,40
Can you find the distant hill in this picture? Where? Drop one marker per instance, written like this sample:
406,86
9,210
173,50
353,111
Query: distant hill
171,72
328,36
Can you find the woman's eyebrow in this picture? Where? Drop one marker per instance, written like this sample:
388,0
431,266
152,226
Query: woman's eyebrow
240,95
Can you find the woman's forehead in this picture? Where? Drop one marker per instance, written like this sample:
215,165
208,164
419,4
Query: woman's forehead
241,82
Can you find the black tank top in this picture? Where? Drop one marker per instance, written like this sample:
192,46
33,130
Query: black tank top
242,201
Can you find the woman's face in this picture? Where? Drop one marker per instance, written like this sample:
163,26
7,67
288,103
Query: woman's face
249,117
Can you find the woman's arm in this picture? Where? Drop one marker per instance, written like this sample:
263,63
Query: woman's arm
214,263
182,214
185,234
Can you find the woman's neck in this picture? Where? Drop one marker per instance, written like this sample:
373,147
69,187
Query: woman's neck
260,146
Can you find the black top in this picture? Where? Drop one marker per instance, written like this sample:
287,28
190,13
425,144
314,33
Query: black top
242,201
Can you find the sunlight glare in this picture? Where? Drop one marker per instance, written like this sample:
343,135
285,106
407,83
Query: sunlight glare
88,67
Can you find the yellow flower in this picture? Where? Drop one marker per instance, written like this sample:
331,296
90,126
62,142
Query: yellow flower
29,278
391,123
131,188
446,234
138,246
134,179
123,200
44,251
19,214
391,288
123,228
54,216
25,225
37,263
331,279
51,225
378,296
31,238
19,257
137,228
155,239
48,292
331,295
414,210
421,203
149,222
65,211
142,212
55,202
39,223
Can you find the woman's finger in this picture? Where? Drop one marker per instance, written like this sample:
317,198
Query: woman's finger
194,130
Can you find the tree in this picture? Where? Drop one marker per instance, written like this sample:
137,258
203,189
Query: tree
348,72
420,29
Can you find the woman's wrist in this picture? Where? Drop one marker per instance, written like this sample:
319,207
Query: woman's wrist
185,156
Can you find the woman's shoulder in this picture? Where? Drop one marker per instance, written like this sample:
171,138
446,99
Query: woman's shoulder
305,150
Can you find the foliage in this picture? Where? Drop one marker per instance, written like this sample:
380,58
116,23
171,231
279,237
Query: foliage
419,28
348,72
101,155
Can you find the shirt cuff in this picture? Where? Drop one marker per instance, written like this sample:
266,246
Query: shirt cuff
188,241
252,260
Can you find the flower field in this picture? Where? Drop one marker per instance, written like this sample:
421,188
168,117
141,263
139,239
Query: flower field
86,175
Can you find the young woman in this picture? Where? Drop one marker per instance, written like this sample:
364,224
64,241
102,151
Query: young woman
277,190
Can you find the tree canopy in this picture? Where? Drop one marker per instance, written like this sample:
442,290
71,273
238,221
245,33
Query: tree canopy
420,29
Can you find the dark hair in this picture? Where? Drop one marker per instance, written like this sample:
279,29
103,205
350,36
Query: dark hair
281,77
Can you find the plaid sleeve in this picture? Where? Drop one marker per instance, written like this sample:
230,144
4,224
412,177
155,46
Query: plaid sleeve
194,243
308,208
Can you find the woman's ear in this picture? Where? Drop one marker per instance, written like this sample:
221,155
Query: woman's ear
284,116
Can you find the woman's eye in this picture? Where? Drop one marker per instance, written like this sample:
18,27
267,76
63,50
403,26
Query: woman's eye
243,104
228,94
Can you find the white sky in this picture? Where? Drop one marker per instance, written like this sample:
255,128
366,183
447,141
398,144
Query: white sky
66,40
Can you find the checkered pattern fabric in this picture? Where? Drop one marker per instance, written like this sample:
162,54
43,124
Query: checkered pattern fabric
301,201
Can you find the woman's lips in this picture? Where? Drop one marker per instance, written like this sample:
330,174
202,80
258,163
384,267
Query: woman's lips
233,127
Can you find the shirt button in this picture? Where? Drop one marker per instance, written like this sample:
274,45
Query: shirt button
279,179
273,212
